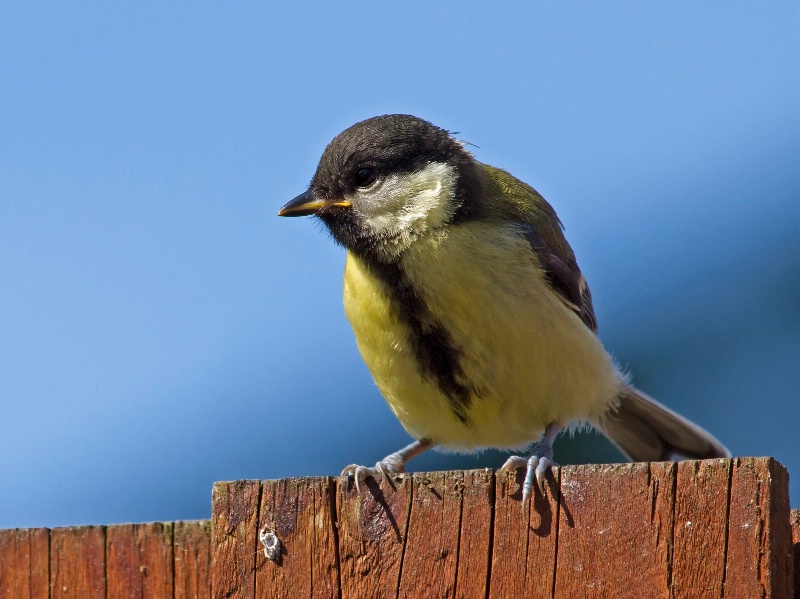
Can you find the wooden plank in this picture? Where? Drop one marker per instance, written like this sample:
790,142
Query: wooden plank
192,551
24,563
701,528
372,535
692,529
759,560
301,512
429,565
475,537
524,545
77,562
615,530
795,520
139,561
234,538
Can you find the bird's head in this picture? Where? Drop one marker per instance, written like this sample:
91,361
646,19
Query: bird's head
385,181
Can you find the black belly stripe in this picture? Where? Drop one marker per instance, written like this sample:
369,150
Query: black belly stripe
436,353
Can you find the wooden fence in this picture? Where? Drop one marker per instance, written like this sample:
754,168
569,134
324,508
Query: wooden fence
692,529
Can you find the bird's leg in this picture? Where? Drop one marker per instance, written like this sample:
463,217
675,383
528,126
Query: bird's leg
537,464
391,464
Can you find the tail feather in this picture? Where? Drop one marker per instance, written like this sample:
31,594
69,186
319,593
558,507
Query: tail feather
646,431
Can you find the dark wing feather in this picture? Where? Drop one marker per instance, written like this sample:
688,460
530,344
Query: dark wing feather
517,201
565,278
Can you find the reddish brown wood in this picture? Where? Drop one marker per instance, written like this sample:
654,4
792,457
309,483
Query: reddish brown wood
524,547
430,565
77,562
372,535
796,541
234,538
692,529
759,560
301,512
701,507
24,563
139,561
192,551
615,530
475,537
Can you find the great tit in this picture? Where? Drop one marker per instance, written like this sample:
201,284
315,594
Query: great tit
469,308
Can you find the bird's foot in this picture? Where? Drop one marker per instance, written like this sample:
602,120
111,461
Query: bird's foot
536,465
383,468
394,463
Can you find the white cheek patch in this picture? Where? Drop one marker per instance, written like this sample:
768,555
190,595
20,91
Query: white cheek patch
405,206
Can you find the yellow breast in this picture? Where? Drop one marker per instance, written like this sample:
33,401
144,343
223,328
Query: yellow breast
529,358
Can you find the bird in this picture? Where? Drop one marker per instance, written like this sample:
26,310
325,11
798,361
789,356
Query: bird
469,308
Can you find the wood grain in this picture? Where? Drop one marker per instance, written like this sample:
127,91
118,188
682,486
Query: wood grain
192,551
759,560
300,511
24,563
372,535
615,530
688,529
77,562
430,566
234,538
475,537
139,561
524,541
701,517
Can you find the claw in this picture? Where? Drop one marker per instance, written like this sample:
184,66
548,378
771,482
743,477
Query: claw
515,462
392,464
535,468
361,473
536,465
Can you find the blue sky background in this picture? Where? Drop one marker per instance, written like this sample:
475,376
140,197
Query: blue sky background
161,328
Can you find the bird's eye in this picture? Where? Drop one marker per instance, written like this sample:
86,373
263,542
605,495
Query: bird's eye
365,177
